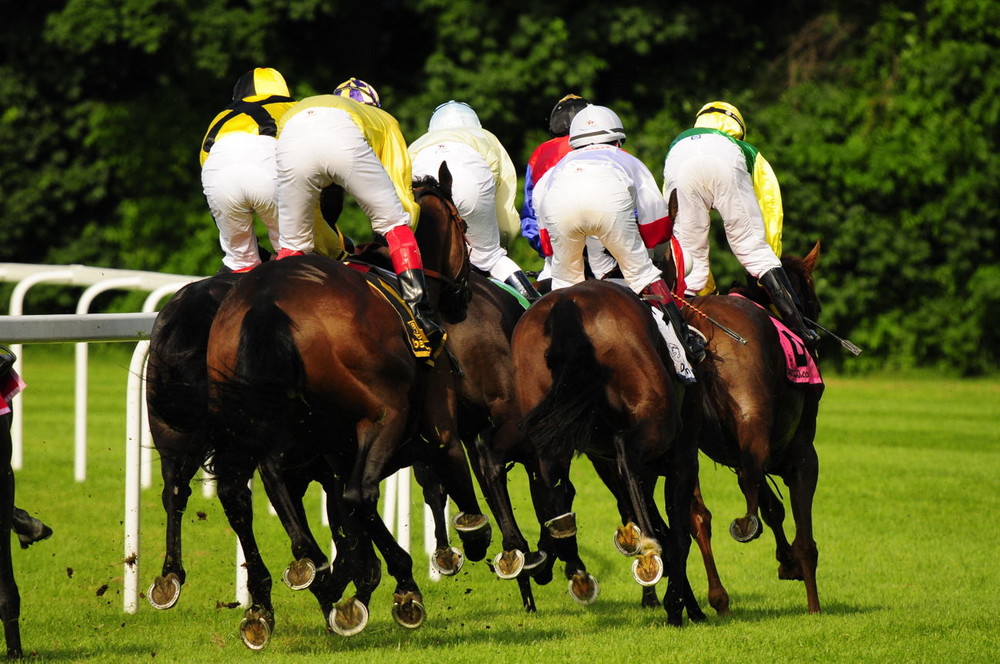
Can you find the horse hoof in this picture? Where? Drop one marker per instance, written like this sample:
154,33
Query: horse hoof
627,539
508,564
534,559
448,561
408,610
256,628
165,591
348,617
476,534
470,523
745,529
584,589
790,572
647,569
300,574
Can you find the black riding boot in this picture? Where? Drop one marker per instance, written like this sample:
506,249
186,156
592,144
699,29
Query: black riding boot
775,282
29,529
519,282
414,290
693,343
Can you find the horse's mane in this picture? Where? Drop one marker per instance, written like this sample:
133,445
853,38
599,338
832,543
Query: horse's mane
429,184
799,274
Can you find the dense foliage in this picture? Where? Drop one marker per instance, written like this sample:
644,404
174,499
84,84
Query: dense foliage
880,120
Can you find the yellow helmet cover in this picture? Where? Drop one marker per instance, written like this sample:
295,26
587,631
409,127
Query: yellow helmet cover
722,116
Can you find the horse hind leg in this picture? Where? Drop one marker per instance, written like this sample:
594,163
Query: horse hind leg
177,470
701,531
446,559
773,513
750,474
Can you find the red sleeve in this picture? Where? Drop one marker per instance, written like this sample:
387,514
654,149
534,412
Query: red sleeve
543,235
656,232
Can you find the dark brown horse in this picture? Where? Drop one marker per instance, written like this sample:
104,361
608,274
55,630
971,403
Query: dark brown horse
761,424
594,376
304,355
177,402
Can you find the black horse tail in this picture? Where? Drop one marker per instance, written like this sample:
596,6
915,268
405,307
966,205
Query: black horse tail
252,406
576,408
177,383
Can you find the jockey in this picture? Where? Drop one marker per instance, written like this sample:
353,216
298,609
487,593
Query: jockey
602,191
346,139
238,172
544,158
483,187
712,167
29,529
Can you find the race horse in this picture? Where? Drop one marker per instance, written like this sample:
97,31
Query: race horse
177,405
594,376
756,420
305,357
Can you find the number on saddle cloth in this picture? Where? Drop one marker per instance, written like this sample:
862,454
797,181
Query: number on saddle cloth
384,283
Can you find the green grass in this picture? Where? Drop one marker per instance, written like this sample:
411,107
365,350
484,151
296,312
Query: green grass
905,518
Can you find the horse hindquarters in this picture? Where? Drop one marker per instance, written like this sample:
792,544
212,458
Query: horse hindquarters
559,387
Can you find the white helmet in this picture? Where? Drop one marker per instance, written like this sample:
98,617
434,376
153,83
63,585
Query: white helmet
453,115
595,124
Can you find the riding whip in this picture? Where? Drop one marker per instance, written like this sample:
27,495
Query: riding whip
848,346
729,331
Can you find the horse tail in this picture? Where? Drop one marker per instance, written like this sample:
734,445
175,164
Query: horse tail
177,385
268,380
575,410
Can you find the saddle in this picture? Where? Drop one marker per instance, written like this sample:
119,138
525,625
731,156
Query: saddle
384,283
799,363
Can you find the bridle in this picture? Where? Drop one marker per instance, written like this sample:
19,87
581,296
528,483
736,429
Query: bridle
455,293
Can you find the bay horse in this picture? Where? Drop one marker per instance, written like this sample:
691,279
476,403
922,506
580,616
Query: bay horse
304,356
594,376
177,404
758,422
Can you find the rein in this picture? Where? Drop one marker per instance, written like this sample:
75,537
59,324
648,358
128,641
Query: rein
455,290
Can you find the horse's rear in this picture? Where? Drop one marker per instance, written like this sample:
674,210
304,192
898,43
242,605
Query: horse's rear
594,376
176,397
760,423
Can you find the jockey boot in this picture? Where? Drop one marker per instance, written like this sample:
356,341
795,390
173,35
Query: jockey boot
414,291
29,529
775,282
519,282
694,345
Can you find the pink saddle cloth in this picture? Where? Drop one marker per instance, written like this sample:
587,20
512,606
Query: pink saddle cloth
799,363
10,385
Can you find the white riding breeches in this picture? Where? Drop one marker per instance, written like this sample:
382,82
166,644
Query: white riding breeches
319,147
473,191
592,199
710,172
239,178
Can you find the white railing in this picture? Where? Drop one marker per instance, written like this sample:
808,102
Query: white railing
97,280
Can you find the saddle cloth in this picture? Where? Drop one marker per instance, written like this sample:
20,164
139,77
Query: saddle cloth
382,282
799,363
10,385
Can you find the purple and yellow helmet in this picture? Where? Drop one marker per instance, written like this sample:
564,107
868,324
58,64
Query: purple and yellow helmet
359,91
